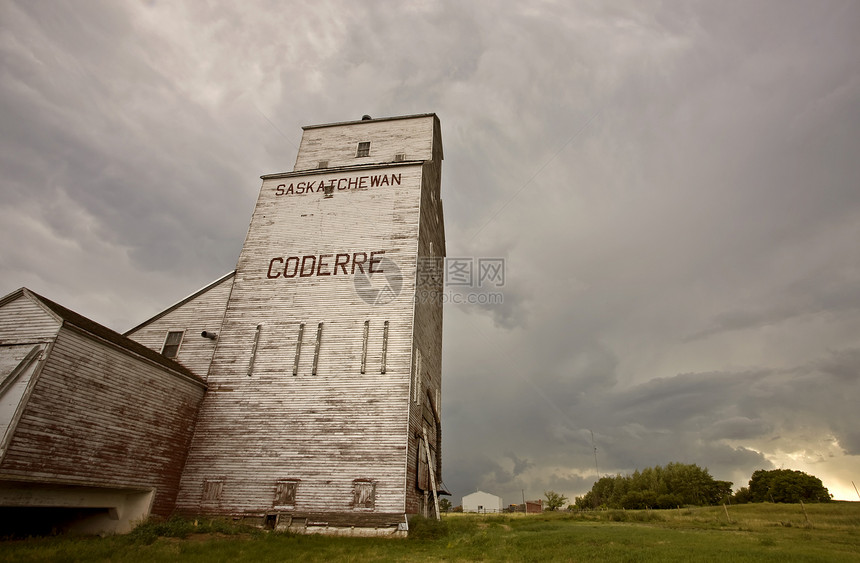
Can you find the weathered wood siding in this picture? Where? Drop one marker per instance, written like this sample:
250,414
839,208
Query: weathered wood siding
411,137
98,416
24,325
18,366
279,411
202,311
426,404
23,321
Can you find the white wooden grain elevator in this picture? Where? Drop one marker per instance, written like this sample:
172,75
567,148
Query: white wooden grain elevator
322,351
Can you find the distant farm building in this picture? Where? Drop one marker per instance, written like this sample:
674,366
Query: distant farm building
482,502
534,506
301,391
529,507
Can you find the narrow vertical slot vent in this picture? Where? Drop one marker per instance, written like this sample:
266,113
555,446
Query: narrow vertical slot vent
416,378
298,349
364,346
384,345
254,350
317,349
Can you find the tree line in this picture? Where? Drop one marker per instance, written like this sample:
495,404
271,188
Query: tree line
679,484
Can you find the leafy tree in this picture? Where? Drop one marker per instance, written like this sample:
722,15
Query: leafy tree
786,485
674,485
554,500
668,501
635,500
721,492
444,505
742,496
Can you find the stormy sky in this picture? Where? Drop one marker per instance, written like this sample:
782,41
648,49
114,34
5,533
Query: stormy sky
674,186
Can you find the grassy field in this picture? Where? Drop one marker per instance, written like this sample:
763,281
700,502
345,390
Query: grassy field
753,532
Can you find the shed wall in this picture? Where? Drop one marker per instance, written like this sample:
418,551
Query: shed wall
18,367
22,321
26,330
204,311
99,417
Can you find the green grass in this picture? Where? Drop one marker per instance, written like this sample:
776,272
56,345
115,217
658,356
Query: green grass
753,532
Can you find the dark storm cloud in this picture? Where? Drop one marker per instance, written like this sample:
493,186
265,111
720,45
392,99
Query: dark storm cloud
842,364
829,292
673,188
721,420
101,127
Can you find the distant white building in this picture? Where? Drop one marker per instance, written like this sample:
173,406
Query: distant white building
482,502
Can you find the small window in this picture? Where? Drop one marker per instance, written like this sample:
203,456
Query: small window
212,490
285,492
399,157
363,149
171,343
323,164
364,494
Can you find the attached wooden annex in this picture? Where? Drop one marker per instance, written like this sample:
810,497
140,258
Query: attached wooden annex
95,427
